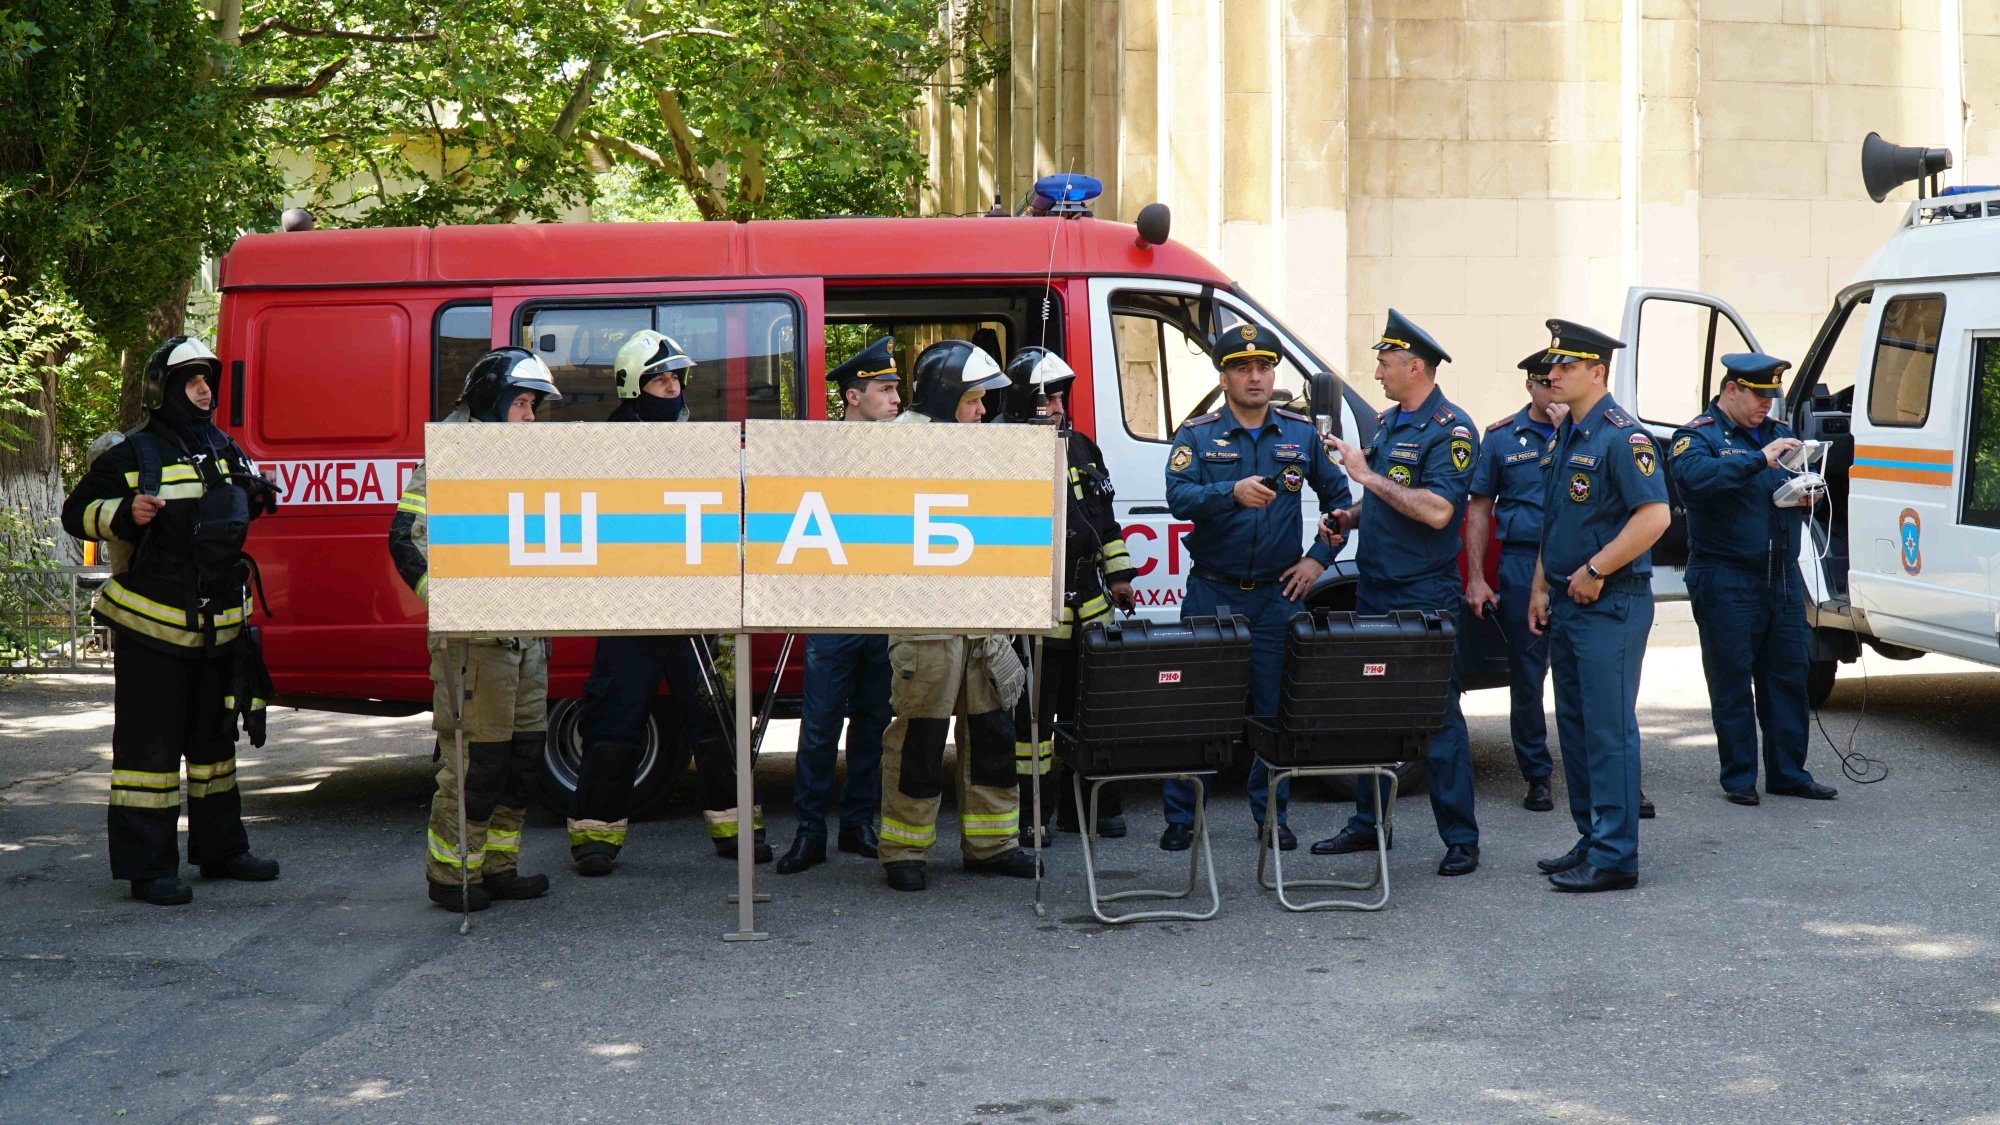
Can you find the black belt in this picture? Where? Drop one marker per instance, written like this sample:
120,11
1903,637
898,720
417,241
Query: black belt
1620,582
1221,579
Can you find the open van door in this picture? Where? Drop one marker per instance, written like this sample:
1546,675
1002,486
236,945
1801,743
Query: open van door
1671,366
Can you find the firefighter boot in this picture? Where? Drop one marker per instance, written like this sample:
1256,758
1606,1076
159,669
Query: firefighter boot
1017,863
594,858
514,885
725,847
447,896
904,875
243,866
163,891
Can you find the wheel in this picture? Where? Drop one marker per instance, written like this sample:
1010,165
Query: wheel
657,779
1409,779
1819,680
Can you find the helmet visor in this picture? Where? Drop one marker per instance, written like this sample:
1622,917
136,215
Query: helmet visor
529,373
1051,373
192,350
980,373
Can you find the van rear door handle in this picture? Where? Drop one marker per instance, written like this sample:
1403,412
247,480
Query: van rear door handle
1151,510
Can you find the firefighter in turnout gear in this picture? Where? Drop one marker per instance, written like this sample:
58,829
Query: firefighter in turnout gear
625,672
1098,575
936,676
505,681
174,500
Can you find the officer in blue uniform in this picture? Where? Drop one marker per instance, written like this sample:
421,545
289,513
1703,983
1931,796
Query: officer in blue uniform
1604,505
1743,580
1238,474
1416,471
846,674
1507,487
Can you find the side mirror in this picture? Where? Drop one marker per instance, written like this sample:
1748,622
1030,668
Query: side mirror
1324,389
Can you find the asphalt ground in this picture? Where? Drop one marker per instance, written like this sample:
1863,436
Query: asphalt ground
1796,962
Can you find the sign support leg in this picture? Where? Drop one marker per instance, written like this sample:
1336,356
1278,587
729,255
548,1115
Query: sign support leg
746,817
458,744
1035,760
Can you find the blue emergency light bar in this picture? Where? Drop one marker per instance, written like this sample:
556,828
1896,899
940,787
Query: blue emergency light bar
1065,193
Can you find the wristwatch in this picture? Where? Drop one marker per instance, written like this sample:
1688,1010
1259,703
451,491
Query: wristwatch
1591,570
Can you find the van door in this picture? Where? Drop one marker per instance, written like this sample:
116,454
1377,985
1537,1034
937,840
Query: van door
1151,371
1922,541
1669,369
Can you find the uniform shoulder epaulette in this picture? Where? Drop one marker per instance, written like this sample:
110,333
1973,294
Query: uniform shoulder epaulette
1698,423
1292,414
1202,419
1618,418
1445,416
1502,422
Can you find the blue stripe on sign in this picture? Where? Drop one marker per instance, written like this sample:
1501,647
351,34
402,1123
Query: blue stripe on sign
491,530
987,531
1913,466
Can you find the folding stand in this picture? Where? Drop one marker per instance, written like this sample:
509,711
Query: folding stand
1384,819
1197,855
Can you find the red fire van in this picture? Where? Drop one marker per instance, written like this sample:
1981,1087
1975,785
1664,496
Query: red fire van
338,346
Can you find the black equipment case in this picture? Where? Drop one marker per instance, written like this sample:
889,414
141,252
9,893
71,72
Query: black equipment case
1159,696
1359,690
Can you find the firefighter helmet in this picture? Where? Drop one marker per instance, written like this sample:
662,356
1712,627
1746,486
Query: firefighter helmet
646,356
174,353
1035,373
500,371
946,372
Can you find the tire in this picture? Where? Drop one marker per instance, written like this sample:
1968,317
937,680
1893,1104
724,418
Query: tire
1819,681
1409,779
656,783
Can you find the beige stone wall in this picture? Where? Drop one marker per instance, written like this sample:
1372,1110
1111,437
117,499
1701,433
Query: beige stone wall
1485,164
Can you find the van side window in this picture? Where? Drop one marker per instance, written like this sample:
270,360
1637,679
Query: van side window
746,355
464,333
1982,463
1899,391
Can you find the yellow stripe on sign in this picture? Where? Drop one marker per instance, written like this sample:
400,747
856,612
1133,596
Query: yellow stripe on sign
614,560
897,496
899,559
624,496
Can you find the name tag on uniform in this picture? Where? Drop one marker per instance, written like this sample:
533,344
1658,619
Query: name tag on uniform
1288,455
1401,454
1220,455
1583,460
1517,458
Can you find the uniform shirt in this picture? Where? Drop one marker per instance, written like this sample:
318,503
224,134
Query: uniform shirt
1726,484
1598,469
1433,448
1211,453
1510,472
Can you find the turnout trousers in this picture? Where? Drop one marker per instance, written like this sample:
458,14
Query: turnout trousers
1448,766
624,682
168,708
933,678
846,682
506,722
1268,610
1595,652
1753,639
1527,663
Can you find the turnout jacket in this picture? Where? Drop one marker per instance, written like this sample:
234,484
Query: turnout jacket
164,595
1094,554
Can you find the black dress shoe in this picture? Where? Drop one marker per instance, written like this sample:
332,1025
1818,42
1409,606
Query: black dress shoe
1811,791
1177,838
1539,799
725,848
907,875
1287,842
1111,827
859,841
808,851
446,895
1747,796
167,890
1015,863
1351,840
594,858
514,885
1645,806
1565,861
1459,859
1584,879
242,866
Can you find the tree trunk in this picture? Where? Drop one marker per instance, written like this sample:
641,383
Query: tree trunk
31,477
165,321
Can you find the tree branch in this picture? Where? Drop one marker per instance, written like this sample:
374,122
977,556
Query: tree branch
276,23
679,32
633,149
579,99
299,89
707,199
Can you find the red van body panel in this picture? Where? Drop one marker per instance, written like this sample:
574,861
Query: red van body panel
326,339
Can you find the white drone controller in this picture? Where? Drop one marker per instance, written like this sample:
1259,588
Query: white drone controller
1808,453
1801,489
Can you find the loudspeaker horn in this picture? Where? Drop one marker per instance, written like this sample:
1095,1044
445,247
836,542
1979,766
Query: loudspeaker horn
1886,167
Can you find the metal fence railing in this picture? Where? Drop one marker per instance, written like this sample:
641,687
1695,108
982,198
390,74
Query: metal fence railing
45,623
